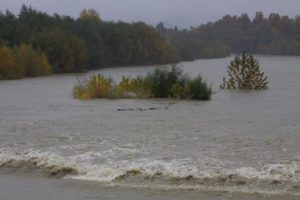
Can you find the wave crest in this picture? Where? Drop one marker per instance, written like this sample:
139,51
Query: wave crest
283,176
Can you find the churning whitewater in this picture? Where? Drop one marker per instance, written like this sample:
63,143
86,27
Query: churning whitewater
186,173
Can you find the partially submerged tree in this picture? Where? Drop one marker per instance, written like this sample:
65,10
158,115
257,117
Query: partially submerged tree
244,73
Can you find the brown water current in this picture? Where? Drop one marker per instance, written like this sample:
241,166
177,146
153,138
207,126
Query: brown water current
240,142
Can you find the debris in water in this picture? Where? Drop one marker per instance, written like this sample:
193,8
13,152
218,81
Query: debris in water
136,109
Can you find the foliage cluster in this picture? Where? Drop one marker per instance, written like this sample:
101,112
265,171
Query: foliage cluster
22,62
244,73
161,83
76,45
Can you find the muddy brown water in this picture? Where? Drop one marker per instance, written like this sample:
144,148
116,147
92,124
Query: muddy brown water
239,142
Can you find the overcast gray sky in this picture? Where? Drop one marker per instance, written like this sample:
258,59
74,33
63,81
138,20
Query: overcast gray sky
176,12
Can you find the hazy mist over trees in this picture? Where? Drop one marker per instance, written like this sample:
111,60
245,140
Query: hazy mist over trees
273,34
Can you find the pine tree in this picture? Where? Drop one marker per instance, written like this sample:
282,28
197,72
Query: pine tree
244,73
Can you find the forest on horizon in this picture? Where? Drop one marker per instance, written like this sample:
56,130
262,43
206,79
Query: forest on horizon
273,34
34,43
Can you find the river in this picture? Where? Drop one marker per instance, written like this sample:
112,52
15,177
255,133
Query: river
239,144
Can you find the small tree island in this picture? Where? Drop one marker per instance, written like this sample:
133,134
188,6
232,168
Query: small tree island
244,73
160,83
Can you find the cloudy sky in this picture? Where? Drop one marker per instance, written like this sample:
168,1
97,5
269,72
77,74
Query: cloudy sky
184,13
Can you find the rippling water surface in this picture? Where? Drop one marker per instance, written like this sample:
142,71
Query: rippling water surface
239,141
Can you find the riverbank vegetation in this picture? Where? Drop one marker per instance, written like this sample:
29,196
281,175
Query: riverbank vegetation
22,62
160,83
62,44
77,45
244,73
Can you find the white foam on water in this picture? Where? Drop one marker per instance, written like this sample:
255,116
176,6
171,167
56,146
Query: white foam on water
47,161
83,167
181,169
285,170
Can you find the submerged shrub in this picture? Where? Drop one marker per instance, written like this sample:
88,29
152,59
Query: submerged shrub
175,84
198,89
178,91
129,88
97,86
158,83
161,83
244,73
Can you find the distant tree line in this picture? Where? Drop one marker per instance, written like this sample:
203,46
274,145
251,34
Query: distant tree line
64,44
275,34
75,45
192,46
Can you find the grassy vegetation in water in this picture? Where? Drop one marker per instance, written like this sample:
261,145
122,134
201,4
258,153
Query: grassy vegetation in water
97,86
161,83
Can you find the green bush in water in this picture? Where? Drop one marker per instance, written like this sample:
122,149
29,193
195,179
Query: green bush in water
161,83
164,83
198,89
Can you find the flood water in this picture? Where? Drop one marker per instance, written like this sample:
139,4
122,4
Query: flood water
240,141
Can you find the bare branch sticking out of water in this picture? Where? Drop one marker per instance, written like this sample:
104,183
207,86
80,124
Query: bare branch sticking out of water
169,105
146,109
136,109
